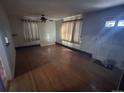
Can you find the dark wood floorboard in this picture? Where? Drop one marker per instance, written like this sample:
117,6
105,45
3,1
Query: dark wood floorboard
55,68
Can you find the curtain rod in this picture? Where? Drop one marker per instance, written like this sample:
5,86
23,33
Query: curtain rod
29,20
72,20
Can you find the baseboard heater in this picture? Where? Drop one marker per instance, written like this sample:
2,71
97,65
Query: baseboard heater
80,51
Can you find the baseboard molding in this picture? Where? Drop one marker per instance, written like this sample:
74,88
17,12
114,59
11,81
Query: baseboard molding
74,49
98,62
44,45
27,46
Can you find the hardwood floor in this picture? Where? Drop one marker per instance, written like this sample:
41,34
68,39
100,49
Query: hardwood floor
55,68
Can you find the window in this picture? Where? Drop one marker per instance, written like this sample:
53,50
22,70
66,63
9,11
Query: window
70,31
121,23
110,23
77,31
31,30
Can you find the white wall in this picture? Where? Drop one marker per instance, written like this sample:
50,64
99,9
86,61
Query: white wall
101,42
7,53
47,33
17,28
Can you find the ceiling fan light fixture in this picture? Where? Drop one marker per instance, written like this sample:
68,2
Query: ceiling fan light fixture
43,19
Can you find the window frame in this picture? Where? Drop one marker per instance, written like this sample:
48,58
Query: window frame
80,28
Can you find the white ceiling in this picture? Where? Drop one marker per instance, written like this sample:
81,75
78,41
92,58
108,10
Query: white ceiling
55,8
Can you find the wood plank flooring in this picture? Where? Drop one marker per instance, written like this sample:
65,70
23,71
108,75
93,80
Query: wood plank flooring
55,68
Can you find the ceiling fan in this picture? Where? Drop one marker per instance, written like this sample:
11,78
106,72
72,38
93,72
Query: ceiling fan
44,19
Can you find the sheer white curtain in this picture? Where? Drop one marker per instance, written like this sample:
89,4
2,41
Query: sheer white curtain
66,31
70,31
77,31
31,31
